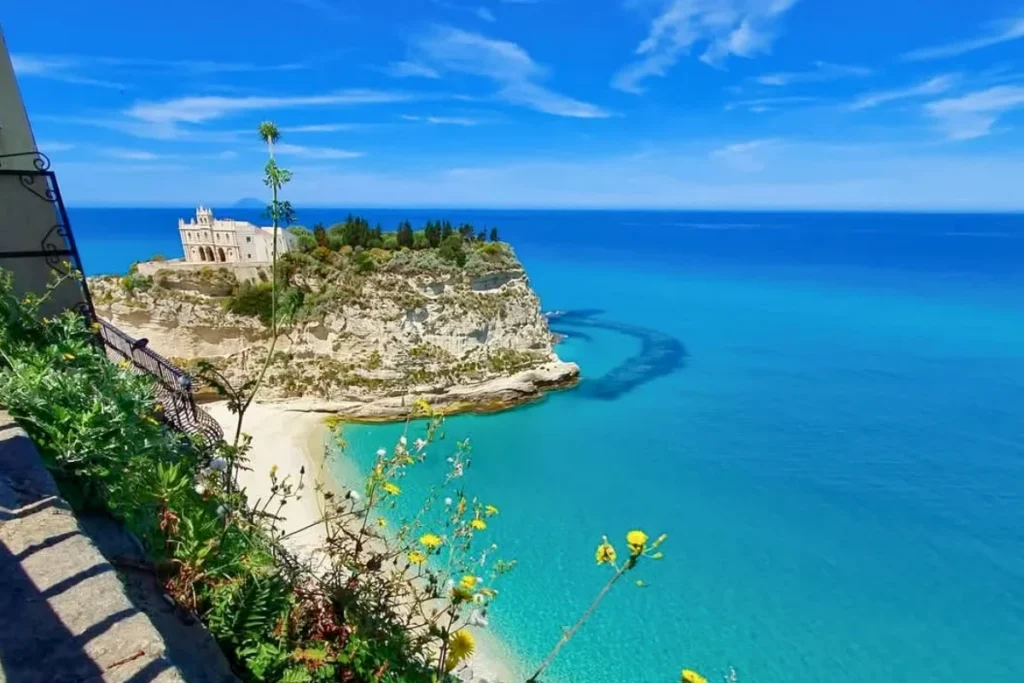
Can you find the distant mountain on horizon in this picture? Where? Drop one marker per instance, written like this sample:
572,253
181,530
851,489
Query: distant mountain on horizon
248,203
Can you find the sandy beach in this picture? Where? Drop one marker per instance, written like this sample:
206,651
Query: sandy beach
293,440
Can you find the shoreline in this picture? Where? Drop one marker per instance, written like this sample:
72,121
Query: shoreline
292,439
483,398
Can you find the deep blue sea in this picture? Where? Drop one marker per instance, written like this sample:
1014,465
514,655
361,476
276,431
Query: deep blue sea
822,410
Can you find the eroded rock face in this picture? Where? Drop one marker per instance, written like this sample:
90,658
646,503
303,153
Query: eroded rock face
386,338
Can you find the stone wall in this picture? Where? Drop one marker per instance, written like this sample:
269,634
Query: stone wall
69,614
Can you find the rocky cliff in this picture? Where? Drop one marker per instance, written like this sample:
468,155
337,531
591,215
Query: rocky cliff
363,337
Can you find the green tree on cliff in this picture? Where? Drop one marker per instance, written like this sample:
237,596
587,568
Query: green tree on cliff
494,235
405,238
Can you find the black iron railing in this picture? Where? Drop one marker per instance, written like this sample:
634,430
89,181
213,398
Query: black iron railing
173,385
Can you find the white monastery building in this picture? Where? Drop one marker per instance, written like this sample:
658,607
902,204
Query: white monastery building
224,240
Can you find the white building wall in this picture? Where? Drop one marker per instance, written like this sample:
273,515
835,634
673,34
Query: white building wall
208,239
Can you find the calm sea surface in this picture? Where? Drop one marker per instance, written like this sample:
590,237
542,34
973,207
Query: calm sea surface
823,411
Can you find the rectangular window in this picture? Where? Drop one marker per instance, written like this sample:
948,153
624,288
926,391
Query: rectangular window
248,239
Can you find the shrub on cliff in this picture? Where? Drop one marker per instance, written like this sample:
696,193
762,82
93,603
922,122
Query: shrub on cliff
253,300
451,250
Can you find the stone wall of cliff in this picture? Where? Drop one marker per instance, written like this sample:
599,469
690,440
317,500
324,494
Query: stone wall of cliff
360,339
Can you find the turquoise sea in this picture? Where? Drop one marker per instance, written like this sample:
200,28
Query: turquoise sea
823,411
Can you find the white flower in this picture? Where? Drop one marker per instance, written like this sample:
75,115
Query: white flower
219,464
381,452
477,618
222,510
402,440
451,584
448,502
419,444
458,469
200,489
354,496
451,459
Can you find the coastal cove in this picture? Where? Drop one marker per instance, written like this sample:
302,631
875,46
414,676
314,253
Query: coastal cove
822,413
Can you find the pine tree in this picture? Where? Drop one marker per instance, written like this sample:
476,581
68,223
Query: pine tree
405,238
494,235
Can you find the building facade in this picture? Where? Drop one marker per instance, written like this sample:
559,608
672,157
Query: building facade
218,240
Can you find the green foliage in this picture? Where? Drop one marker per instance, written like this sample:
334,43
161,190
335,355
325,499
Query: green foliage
451,250
404,235
244,613
432,232
253,300
494,234
158,258
133,282
364,262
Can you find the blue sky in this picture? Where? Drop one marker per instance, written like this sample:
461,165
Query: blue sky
532,103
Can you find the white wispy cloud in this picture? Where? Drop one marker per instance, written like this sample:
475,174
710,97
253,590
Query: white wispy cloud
744,28
485,14
763,104
999,32
411,70
933,86
744,156
316,152
201,109
73,68
49,146
443,120
64,69
822,71
516,74
322,128
973,115
129,154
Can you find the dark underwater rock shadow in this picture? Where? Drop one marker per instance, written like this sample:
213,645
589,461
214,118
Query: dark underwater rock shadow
660,354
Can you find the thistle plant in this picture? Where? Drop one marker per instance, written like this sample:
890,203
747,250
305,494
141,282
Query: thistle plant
637,544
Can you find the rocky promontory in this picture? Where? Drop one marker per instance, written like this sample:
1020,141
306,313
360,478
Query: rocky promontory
364,332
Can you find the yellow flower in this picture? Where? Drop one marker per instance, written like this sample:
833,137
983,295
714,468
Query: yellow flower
478,524
692,677
391,488
381,522
273,470
605,552
468,582
488,592
68,356
490,510
460,647
431,541
416,557
636,540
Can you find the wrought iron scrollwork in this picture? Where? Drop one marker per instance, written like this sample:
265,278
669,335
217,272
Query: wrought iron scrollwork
57,248
40,161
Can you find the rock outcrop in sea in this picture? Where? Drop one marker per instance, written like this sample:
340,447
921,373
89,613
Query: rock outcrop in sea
365,343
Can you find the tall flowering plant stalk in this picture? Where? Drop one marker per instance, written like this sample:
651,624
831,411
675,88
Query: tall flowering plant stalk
434,569
637,543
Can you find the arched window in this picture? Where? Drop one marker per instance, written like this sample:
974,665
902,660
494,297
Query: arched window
220,253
